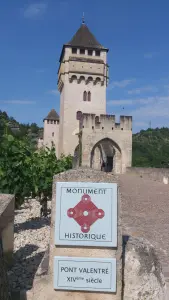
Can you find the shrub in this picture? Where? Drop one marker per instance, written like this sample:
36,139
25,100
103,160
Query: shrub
26,172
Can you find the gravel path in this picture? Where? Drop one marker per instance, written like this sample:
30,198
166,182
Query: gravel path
31,239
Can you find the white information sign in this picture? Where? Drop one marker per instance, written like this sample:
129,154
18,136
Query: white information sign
85,274
86,214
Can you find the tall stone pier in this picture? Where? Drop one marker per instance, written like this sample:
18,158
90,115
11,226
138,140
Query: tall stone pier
84,257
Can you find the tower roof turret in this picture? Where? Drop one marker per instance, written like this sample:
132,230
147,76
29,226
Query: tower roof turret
52,115
84,38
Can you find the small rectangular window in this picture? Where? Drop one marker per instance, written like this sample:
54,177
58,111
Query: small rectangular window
54,122
97,53
90,52
82,51
74,50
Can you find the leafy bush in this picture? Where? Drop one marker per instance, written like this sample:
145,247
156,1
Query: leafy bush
26,172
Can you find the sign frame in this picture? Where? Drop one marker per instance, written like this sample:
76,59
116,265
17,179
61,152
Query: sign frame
112,211
85,281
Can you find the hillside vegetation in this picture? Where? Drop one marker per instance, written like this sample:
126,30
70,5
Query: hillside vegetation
8,125
151,148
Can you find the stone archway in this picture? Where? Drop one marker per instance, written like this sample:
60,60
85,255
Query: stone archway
107,154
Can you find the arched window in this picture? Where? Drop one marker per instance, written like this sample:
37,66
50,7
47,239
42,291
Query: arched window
81,79
73,79
78,115
53,134
85,96
98,80
89,96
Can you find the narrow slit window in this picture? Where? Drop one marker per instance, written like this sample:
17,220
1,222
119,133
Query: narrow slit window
89,96
85,96
53,134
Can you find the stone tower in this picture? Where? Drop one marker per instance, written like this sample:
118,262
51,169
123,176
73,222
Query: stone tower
51,130
82,81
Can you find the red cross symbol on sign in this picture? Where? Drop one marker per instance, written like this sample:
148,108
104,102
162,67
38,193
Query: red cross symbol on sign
85,213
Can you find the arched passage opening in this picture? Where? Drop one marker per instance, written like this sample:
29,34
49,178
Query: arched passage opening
106,156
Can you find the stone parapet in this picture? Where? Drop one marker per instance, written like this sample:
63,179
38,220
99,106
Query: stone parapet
6,241
7,204
157,174
105,122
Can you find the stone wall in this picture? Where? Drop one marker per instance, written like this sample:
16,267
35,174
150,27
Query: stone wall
6,241
143,276
7,203
4,287
157,174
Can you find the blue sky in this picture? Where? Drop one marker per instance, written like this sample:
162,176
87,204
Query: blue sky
136,32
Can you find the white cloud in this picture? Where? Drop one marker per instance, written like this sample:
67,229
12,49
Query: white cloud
121,84
24,102
130,101
145,110
119,102
157,107
53,92
35,10
150,55
138,91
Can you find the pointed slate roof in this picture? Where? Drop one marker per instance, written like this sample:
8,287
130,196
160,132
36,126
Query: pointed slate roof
52,115
84,38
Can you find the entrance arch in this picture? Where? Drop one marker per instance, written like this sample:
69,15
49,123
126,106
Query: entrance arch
106,155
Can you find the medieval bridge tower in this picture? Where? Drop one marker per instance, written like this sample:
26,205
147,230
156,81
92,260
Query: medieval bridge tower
82,81
83,128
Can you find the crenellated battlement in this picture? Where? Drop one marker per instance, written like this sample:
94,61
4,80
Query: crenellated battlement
105,122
